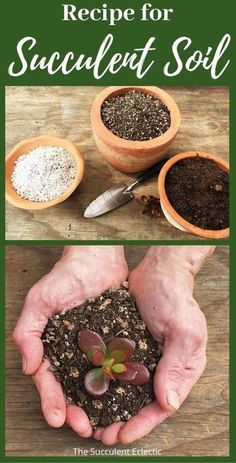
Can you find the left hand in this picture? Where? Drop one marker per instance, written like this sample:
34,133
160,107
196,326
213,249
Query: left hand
81,273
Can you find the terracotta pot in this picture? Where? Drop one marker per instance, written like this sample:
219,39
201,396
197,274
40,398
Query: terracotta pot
170,213
127,155
27,145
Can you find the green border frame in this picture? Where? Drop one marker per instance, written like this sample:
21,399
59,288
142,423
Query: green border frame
194,23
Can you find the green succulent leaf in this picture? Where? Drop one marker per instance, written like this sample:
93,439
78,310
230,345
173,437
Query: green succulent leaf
108,363
120,349
119,368
96,383
96,356
108,373
136,373
88,340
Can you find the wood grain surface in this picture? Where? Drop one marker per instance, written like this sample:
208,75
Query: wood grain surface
65,112
200,427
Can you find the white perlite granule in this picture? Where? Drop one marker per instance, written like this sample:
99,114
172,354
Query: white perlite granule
44,173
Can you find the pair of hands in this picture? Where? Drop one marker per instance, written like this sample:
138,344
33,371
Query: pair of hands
162,285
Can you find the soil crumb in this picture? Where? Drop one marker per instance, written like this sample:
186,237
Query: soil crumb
111,314
152,206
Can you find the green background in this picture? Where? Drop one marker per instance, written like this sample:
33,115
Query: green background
205,22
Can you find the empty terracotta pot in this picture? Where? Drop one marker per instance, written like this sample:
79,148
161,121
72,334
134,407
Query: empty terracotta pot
22,148
170,213
128,155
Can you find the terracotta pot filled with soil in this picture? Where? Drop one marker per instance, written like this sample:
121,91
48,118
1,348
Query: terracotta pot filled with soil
194,194
104,356
133,127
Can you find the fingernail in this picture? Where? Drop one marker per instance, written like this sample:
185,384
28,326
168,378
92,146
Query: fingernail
24,364
56,418
173,399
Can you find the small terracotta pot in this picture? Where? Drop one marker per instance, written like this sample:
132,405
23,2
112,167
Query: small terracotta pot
170,213
128,155
22,148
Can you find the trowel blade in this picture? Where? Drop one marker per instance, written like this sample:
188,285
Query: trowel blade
109,200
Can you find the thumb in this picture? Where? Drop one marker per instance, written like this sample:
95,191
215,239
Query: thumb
28,331
31,348
182,364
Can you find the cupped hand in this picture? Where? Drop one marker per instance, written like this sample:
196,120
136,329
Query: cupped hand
81,273
162,285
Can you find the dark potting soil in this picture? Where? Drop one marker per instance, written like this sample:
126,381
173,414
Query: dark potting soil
199,191
136,116
112,314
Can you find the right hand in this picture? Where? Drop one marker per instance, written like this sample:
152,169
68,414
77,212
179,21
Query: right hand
81,273
162,285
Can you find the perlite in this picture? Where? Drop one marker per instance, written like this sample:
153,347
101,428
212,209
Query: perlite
43,173
136,116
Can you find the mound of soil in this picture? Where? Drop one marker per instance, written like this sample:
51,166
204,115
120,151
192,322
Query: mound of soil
136,116
199,191
111,314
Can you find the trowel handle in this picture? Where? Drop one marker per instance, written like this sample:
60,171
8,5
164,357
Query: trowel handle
153,170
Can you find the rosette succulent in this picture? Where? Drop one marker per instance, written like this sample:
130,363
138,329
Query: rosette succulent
112,361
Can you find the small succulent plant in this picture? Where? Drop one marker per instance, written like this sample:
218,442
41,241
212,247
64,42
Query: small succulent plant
112,362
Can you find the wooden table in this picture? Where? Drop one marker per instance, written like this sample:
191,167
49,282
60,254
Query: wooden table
200,427
65,112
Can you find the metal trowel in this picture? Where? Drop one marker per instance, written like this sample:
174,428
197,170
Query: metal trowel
120,193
